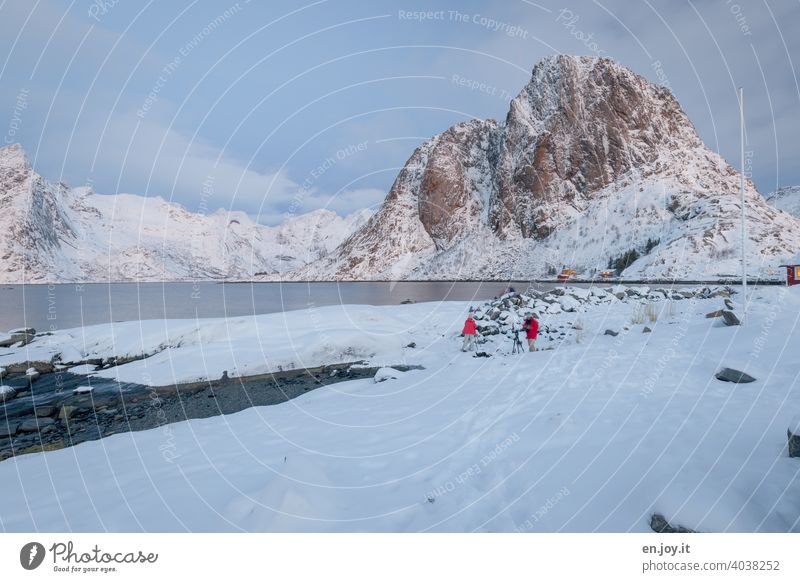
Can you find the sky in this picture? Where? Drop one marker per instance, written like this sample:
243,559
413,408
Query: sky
278,108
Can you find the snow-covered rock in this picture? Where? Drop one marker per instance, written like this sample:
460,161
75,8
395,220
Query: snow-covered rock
384,374
7,392
82,390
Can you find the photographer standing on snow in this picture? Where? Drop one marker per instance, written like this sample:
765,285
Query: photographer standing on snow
469,332
531,327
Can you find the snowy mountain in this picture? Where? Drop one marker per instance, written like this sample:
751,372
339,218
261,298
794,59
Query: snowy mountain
50,232
593,166
786,199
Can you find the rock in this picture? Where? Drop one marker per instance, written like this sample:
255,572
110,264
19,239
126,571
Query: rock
3,373
32,374
35,424
729,318
793,433
731,375
729,304
66,411
482,355
85,390
646,329
8,429
659,524
717,313
384,374
7,393
569,304
794,444
611,332
407,302
412,345
44,411
21,336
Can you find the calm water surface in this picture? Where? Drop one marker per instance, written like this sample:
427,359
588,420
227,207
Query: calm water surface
51,307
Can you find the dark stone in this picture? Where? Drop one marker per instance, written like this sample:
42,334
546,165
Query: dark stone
45,410
729,318
612,333
411,345
646,329
731,375
717,313
8,429
659,524
482,355
34,424
794,444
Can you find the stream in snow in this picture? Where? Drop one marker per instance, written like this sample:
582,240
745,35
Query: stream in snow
52,307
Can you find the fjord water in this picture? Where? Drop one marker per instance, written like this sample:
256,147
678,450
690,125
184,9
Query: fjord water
51,307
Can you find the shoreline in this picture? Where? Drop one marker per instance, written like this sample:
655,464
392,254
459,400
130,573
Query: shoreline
73,419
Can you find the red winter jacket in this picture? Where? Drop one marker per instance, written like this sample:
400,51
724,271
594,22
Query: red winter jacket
469,327
532,329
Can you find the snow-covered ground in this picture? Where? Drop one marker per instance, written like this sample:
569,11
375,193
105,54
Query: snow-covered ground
595,434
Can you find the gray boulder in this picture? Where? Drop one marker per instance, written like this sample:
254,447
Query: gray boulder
731,375
729,318
34,424
8,429
659,524
7,393
611,332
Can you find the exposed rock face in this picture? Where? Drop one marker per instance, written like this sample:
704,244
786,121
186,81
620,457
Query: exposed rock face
591,162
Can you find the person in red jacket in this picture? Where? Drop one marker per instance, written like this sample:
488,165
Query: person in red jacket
469,332
531,327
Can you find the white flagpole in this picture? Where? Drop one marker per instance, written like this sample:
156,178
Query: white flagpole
744,224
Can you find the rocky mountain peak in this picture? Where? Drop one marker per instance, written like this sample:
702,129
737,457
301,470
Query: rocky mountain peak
592,162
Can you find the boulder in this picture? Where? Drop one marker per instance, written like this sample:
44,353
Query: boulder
66,411
731,375
43,411
646,329
32,374
384,374
717,313
729,318
611,332
3,373
8,429
34,424
659,524
794,437
7,393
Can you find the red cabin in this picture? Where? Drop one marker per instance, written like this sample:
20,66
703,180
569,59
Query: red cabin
792,274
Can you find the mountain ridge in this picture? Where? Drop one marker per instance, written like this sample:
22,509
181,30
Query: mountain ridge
51,233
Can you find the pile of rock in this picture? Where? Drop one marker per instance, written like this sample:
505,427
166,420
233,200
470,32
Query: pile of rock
504,314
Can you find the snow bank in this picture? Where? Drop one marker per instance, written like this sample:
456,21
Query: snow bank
595,434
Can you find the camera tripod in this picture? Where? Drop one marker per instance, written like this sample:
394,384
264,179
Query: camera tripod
518,348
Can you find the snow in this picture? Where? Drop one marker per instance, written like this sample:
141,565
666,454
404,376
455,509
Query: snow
82,390
82,369
6,389
31,372
591,433
384,374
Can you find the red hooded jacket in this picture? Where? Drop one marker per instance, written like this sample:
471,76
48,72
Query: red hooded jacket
532,328
469,327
